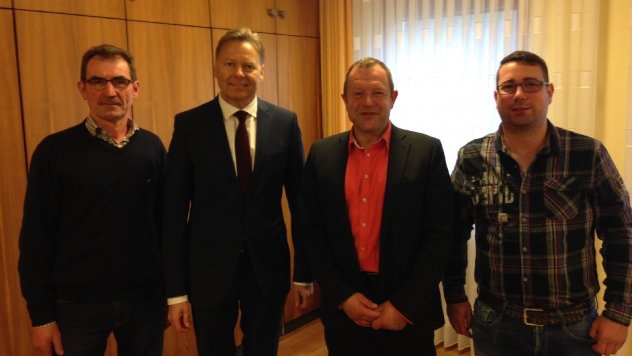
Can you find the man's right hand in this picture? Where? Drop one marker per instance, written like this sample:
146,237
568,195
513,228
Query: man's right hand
47,338
180,316
460,315
360,309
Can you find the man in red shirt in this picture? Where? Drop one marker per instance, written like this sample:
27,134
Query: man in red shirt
379,212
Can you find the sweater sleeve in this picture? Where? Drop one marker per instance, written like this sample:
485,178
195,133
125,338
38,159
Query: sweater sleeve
40,221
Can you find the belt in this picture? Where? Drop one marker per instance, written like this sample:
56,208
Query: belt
542,317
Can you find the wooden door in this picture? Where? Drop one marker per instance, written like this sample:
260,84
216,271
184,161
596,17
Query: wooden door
50,47
174,65
299,82
184,12
297,17
251,13
299,90
104,8
15,324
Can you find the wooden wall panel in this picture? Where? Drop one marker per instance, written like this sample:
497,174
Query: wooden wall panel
5,3
50,48
103,8
175,72
299,89
184,12
231,14
301,18
14,321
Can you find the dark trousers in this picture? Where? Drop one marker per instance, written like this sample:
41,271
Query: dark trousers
260,319
344,337
138,325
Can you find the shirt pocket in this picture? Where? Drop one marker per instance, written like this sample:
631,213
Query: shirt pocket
563,197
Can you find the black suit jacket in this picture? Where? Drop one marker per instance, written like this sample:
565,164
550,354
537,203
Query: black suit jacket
416,225
205,218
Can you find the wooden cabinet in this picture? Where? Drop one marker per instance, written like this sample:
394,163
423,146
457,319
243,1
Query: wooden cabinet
101,8
174,65
14,323
50,63
298,17
183,12
299,83
235,13
295,17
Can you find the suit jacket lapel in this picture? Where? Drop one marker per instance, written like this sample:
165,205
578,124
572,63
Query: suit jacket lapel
264,130
397,159
338,160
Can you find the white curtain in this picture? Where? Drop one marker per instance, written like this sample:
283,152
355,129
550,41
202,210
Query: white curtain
444,54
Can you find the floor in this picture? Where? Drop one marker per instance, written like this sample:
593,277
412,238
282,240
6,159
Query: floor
308,340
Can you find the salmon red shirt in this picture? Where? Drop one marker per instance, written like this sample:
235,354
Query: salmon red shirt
365,183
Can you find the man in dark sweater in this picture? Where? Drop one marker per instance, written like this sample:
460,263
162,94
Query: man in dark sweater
89,245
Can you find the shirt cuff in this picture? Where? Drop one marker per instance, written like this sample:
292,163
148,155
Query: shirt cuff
617,312
454,294
305,284
177,300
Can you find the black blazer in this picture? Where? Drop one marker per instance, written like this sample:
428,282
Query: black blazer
205,218
416,225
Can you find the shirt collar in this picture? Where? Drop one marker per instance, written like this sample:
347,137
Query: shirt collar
386,138
229,110
553,140
102,134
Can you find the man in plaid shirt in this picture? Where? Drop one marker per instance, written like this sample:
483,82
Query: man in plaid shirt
537,194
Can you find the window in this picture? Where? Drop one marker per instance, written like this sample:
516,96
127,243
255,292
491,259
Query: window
443,55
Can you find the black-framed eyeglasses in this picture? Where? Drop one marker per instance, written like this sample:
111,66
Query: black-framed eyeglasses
528,86
99,83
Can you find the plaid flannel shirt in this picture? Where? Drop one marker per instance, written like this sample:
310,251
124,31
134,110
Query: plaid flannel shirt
535,230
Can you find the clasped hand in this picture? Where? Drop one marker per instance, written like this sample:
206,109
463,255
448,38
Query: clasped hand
364,312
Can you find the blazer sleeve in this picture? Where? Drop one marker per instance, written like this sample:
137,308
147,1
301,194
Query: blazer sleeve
292,183
318,227
177,196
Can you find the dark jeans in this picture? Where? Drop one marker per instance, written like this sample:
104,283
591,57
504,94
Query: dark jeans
137,324
497,334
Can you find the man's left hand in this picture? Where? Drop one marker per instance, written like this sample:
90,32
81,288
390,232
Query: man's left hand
303,295
389,319
609,335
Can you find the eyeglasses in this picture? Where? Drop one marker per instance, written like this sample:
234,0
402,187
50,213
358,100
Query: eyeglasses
528,86
119,83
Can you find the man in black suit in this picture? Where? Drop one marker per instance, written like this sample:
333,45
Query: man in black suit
378,205
224,236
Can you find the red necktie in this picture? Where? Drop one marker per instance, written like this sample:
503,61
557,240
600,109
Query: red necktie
242,153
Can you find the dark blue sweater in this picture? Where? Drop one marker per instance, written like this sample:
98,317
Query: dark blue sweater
90,230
